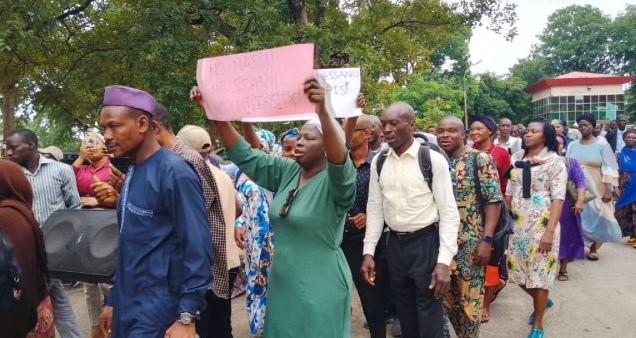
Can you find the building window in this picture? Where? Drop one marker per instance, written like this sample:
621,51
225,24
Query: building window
568,108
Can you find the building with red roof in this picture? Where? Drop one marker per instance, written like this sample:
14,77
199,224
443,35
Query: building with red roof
573,94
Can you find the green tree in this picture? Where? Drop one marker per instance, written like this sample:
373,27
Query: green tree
452,59
623,49
29,35
501,97
532,69
432,99
68,52
577,38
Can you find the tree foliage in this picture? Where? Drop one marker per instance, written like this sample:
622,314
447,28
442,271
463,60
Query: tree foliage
432,99
63,53
582,38
532,69
500,97
577,38
623,50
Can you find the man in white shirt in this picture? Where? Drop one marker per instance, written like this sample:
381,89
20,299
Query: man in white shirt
615,136
505,140
423,225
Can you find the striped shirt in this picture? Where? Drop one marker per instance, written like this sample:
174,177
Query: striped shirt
54,188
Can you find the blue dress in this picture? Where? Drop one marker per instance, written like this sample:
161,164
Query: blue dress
259,247
165,256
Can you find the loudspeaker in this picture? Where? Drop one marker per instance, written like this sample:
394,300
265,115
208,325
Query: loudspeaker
81,245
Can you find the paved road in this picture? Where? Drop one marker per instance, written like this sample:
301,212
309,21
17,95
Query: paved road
599,301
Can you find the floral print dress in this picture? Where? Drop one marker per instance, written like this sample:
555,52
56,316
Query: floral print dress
526,265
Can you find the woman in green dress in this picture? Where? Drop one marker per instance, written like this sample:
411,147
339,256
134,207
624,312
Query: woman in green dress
309,281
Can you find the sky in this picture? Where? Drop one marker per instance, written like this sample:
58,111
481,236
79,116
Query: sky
490,52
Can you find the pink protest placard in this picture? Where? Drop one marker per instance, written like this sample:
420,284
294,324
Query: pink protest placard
265,85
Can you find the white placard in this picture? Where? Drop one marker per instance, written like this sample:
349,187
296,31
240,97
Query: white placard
345,87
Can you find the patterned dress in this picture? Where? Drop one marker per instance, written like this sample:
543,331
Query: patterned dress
464,300
259,247
626,204
45,326
526,265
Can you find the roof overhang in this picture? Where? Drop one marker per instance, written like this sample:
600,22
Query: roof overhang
579,81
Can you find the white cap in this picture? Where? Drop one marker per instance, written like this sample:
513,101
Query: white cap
53,151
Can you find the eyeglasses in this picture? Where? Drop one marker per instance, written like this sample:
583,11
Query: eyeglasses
284,210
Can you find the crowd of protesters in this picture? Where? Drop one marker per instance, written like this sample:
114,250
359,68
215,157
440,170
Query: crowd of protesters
412,219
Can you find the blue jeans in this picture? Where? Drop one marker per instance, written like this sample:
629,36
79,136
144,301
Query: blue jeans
65,321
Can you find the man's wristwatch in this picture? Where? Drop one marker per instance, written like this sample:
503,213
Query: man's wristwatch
488,239
186,318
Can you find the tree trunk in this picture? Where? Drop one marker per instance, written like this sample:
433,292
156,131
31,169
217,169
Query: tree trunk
9,93
321,9
300,12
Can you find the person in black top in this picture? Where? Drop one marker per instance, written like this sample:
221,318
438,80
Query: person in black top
373,298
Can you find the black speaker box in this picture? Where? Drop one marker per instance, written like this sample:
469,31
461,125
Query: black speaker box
81,245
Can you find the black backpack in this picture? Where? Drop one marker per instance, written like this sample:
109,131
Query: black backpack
504,226
423,157
9,275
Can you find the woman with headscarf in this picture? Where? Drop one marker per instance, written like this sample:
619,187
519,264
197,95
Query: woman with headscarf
601,174
482,131
32,315
309,281
626,204
93,150
572,245
535,194
288,142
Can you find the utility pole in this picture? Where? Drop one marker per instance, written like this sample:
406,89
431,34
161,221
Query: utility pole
470,64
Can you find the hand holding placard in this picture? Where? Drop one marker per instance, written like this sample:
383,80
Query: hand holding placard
266,86
345,87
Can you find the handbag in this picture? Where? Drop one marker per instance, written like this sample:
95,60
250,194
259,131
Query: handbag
504,225
571,187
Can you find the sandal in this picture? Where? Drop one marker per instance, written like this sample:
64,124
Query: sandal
631,241
549,304
502,284
593,256
485,317
536,333
563,276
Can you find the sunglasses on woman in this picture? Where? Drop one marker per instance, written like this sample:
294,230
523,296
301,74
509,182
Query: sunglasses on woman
284,210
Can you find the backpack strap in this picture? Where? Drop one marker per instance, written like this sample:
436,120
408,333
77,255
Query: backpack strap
424,159
380,162
480,198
